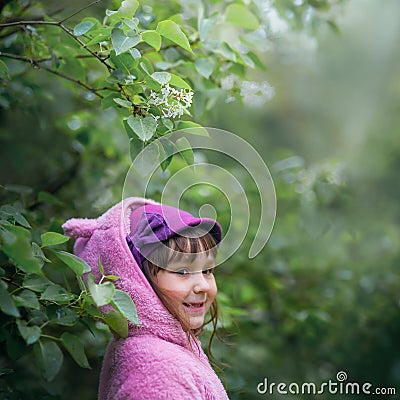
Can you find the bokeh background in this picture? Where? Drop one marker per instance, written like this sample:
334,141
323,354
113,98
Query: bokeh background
323,296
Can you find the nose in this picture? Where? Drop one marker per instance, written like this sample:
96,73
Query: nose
200,283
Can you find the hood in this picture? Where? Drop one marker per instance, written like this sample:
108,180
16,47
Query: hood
105,237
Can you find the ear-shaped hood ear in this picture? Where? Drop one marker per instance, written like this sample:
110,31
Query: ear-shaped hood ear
80,227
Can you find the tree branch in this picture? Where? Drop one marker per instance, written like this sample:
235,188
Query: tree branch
37,64
66,30
93,53
82,9
24,23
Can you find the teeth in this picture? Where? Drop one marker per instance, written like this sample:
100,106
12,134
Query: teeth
193,305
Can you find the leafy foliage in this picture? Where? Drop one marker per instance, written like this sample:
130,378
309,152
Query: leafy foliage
39,306
149,68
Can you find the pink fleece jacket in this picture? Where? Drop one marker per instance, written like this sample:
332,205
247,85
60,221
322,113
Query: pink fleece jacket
155,361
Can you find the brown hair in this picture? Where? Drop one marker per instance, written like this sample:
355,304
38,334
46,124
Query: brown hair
187,244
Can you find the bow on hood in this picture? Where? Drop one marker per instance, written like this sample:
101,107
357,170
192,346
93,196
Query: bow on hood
105,238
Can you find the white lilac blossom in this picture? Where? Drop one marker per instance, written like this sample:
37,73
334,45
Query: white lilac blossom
256,94
228,82
172,102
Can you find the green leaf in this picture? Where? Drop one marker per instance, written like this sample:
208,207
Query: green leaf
97,39
49,198
103,293
100,266
164,160
257,62
36,283
135,53
39,255
135,144
57,293
122,42
50,358
122,102
31,334
16,216
167,123
4,73
172,31
37,317
125,62
15,242
151,84
90,307
53,238
128,8
72,261
61,315
144,128
20,189
179,82
146,65
21,220
117,322
112,277
83,27
131,23
192,128
152,38
108,101
125,305
240,15
12,212
74,67
166,153
226,51
75,348
204,67
161,77
26,298
185,149
7,304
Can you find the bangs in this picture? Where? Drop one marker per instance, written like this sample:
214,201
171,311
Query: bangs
189,243
183,247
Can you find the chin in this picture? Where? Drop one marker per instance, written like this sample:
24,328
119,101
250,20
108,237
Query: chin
196,323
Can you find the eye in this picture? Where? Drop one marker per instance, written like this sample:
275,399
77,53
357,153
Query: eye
208,271
183,272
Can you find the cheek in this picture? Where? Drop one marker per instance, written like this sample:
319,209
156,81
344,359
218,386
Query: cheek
212,293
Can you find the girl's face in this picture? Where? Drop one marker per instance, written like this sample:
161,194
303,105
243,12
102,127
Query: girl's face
190,287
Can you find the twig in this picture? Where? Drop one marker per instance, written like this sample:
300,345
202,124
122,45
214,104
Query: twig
82,9
64,58
24,23
66,30
37,64
60,24
93,53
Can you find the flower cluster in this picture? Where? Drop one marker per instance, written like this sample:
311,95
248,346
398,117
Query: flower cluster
172,102
256,94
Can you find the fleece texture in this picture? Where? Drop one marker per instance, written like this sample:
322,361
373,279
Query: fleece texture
156,361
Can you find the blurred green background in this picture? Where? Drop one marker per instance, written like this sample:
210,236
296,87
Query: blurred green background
323,296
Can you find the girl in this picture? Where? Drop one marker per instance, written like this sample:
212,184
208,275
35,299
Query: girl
164,258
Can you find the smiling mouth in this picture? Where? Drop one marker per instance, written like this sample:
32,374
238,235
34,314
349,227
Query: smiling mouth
194,306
